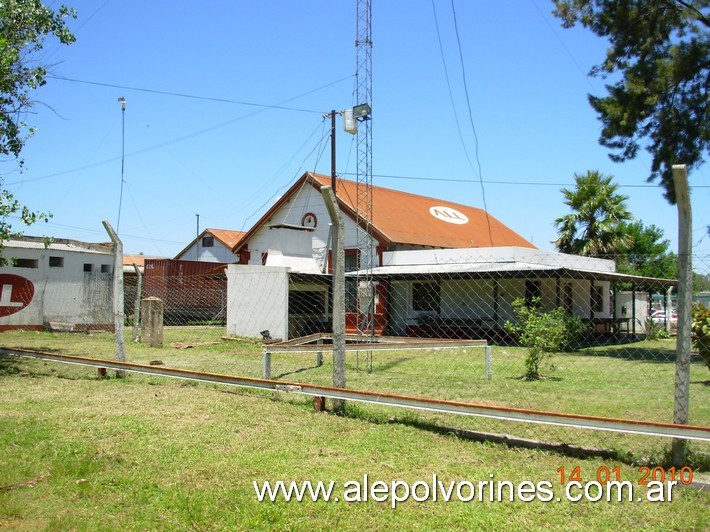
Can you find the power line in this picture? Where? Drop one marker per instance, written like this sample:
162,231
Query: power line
470,118
515,183
205,98
178,139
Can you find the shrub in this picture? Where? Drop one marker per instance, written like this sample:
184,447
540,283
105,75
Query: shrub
543,333
700,332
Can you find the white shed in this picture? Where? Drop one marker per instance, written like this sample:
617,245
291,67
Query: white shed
66,284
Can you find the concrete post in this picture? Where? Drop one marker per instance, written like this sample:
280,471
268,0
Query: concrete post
137,303
265,364
338,294
152,322
489,362
118,315
681,406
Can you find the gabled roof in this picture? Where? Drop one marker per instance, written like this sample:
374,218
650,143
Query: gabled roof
403,218
225,237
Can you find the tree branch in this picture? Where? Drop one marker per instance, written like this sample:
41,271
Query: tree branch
690,7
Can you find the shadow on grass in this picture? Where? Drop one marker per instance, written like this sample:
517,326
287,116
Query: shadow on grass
414,421
634,354
391,364
294,372
8,365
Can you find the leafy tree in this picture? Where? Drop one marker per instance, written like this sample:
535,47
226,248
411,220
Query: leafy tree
648,254
594,227
543,333
661,50
24,25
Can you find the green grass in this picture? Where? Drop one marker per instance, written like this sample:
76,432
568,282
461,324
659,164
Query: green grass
633,381
144,453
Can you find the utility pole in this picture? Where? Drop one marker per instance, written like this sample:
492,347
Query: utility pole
197,238
332,151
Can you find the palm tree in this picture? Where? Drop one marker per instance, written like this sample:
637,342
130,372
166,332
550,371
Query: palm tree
594,228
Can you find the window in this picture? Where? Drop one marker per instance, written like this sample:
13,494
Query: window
350,294
568,297
25,263
88,268
352,261
105,268
532,291
426,297
56,262
207,241
597,299
306,302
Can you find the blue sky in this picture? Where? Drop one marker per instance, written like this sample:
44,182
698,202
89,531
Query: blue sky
281,65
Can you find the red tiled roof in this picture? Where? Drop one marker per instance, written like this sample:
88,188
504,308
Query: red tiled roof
138,260
225,236
404,218
409,219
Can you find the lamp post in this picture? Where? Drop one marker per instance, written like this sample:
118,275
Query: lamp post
123,152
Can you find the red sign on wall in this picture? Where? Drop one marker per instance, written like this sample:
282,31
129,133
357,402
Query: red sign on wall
15,293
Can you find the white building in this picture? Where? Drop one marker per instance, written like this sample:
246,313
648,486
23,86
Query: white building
212,245
65,285
440,269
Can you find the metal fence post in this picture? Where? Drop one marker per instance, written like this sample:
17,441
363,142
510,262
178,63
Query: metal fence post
681,405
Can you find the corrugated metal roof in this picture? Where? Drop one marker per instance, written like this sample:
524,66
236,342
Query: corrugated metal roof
508,269
55,246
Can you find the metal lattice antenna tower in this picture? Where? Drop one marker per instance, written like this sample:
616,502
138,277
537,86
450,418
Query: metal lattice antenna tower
363,95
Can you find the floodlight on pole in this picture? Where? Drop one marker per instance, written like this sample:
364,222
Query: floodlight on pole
362,111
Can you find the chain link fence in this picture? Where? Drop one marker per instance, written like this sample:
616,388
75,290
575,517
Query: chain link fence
575,338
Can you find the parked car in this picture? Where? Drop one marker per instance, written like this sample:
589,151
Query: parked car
662,316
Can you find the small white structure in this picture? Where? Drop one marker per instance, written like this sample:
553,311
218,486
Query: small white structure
66,285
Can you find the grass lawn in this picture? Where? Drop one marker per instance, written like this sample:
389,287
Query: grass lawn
633,381
150,453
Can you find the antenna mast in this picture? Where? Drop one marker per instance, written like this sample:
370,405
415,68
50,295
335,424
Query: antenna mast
363,95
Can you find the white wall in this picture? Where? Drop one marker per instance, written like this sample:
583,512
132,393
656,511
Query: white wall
63,293
257,300
216,253
306,200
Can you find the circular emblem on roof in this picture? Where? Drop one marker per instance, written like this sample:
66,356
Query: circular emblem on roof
449,215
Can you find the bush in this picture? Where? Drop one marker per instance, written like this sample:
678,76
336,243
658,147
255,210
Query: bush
543,333
700,332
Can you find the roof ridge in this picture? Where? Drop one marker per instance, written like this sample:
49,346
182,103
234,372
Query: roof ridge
412,194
